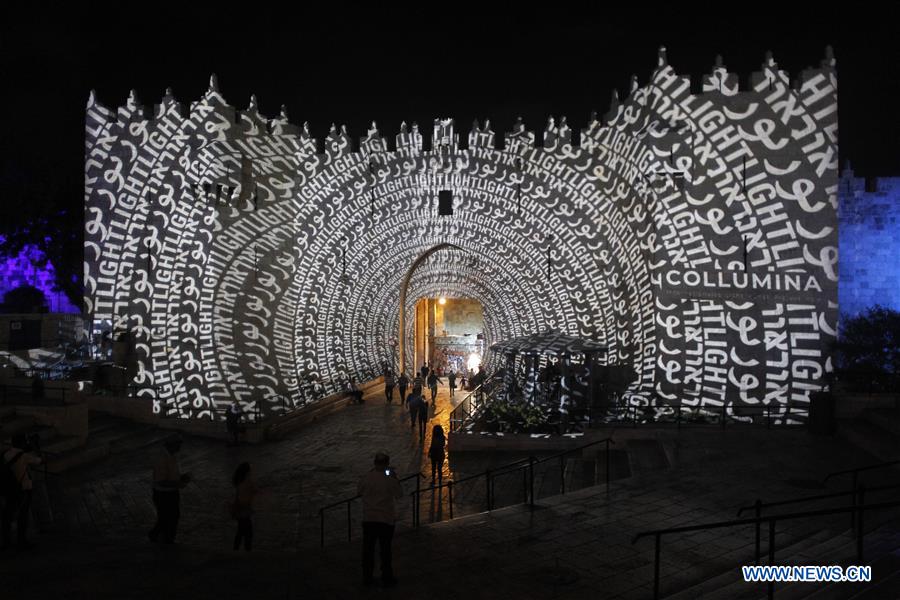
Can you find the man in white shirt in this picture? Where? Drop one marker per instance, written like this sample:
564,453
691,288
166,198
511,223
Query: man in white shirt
17,502
379,488
167,483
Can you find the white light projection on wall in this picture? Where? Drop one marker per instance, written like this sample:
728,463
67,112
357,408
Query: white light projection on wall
694,234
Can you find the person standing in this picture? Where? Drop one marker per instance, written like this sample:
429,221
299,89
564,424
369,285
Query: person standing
244,492
451,382
167,483
233,421
403,383
17,495
417,384
433,381
380,488
389,386
424,371
356,394
436,452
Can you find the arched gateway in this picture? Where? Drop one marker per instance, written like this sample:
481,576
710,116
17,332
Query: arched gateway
692,234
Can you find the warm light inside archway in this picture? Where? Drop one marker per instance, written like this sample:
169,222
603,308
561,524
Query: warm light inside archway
442,300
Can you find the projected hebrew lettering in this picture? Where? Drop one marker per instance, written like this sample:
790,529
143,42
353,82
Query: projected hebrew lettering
694,234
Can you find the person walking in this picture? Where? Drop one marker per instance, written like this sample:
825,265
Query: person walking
380,489
417,385
244,492
436,452
424,371
403,383
167,483
17,491
415,403
423,417
433,381
389,386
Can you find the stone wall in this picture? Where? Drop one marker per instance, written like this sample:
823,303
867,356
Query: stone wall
869,242
693,234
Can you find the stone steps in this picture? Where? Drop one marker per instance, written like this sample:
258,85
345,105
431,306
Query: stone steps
62,443
15,424
711,586
880,550
885,418
821,548
107,436
881,589
870,437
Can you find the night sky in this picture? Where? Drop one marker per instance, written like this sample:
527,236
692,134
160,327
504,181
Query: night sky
353,65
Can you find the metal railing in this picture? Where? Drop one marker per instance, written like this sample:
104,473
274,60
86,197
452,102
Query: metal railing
857,495
525,465
858,509
349,503
856,471
471,405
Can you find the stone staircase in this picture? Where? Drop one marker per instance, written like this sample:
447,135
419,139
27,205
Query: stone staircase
876,431
107,435
822,547
51,442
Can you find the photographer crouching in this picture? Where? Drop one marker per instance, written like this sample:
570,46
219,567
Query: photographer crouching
17,486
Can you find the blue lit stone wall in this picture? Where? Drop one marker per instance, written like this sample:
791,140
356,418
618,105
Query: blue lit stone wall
869,244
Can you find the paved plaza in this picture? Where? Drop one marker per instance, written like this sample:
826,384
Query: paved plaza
572,546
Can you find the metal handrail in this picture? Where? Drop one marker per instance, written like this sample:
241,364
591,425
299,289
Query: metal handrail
800,500
857,509
526,465
857,470
348,502
462,412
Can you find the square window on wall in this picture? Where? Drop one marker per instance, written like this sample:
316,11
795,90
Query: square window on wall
445,203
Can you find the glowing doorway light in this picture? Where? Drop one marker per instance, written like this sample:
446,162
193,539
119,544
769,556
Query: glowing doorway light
442,300
474,361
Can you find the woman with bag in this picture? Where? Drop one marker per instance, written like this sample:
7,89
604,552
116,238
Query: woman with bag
242,508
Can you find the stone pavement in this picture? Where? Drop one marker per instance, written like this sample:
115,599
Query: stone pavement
573,546
300,474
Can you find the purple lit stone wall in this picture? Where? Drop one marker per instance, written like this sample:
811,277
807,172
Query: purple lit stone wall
20,270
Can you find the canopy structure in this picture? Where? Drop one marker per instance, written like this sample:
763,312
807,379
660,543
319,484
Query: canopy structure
548,343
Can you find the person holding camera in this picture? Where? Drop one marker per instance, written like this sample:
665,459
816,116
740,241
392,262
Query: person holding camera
380,489
167,483
17,489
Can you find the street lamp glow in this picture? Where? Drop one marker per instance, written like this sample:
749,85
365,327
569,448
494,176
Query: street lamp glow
442,300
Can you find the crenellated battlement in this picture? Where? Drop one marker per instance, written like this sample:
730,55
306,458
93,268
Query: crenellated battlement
769,85
693,233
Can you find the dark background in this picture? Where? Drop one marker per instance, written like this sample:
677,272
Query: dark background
354,64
